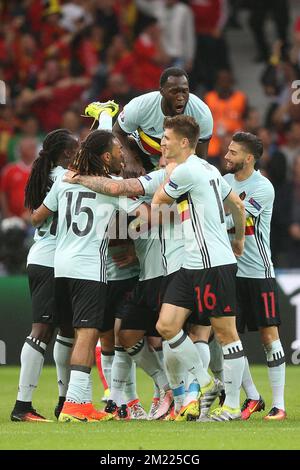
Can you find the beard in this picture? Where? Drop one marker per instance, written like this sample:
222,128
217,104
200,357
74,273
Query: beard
236,167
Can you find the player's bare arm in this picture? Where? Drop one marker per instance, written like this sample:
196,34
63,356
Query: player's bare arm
109,186
39,216
237,209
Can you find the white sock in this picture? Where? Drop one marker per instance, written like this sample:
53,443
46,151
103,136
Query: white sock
130,386
61,353
248,384
216,359
276,369
204,352
106,361
105,121
120,372
176,375
79,384
149,362
234,363
186,354
160,354
88,395
32,360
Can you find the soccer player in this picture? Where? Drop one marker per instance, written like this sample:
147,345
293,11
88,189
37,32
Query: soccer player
80,264
256,283
58,148
207,278
139,127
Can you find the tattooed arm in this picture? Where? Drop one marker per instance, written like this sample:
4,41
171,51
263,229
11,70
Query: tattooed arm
112,187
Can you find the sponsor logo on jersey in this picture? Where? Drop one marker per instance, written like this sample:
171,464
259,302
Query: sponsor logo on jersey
255,204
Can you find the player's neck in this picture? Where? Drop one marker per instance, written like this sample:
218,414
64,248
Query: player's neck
184,156
244,174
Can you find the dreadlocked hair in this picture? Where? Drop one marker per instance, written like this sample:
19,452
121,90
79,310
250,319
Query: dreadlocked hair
88,159
39,182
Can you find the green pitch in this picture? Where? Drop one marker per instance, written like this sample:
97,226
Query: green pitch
252,434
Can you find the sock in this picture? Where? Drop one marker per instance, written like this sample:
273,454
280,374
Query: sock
120,372
99,366
32,360
106,361
130,386
204,352
88,394
234,364
149,362
79,384
176,376
276,370
248,384
216,359
105,121
160,354
185,353
61,354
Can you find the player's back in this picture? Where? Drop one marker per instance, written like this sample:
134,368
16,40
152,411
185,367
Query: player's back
83,218
200,205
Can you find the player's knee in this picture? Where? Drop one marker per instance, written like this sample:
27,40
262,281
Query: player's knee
42,332
268,335
165,329
107,340
125,339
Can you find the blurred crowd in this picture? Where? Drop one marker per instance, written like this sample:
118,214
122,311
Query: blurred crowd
56,56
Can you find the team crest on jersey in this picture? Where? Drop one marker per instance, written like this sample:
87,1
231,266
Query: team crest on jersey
173,185
255,204
242,195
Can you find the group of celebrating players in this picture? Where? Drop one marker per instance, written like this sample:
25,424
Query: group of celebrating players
166,267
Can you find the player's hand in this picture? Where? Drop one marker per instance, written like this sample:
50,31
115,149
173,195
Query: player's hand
126,258
238,247
71,177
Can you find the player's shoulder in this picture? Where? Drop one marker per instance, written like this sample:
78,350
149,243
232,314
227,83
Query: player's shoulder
262,183
196,104
229,177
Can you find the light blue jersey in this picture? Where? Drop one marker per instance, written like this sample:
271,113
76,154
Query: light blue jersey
199,190
143,117
42,251
257,192
83,219
170,233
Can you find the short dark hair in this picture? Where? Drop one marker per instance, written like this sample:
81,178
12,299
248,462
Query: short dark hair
186,126
250,142
172,72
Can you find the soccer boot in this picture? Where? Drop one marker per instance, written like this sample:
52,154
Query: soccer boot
111,407
82,413
123,413
189,412
153,408
59,406
224,413
95,108
275,414
105,397
251,406
165,403
136,410
30,416
172,415
208,395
